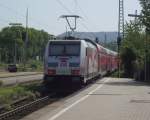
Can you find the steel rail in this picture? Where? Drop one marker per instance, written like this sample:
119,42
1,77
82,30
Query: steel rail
25,107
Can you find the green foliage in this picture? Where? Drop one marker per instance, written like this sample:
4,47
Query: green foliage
2,65
135,47
35,65
132,51
128,58
15,34
31,95
10,94
145,13
145,4
115,74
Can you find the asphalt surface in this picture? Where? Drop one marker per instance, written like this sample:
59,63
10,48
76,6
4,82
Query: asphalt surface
20,79
11,74
107,99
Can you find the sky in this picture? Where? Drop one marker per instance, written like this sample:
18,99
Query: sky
97,15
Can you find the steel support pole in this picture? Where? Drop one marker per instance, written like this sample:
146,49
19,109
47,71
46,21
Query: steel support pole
120,31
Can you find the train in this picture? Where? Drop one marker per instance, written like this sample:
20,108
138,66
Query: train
76,61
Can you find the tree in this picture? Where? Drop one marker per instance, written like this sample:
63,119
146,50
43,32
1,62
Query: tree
35,46
8,37
132,50
128,58
146,13
146,22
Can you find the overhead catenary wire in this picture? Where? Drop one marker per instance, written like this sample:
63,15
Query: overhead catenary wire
75,7
82,11
70,12
64,6
85,16
21,15
10,9
4,21
17,14
87,29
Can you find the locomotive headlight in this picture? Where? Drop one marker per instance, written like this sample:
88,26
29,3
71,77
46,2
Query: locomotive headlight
75,72
51,71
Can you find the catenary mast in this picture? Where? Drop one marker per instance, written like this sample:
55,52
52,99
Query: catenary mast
120,30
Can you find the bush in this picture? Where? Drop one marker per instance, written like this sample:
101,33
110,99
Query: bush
115,74
35,65
3,66
128,60
31,95
31,65
10,94
19,91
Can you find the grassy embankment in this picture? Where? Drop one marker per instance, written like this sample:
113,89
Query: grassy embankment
115,74
10,94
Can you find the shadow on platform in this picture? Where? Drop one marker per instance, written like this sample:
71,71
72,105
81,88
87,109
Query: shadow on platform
124,82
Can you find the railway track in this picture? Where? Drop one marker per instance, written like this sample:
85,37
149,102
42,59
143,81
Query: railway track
26,109
21,111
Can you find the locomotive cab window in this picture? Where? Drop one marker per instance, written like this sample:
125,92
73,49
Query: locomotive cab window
64,49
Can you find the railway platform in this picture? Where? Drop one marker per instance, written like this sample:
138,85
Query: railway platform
20,78
8,74
106,99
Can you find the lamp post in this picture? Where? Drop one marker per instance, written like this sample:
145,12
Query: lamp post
26,40
15,44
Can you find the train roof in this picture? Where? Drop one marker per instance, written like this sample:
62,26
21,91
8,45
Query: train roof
108,51
71,40
98,46
63,40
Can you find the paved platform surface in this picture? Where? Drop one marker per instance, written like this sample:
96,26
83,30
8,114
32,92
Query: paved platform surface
8,81
8,74
107,99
